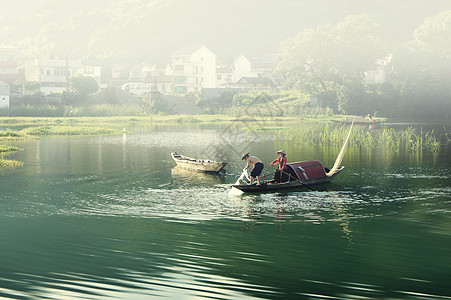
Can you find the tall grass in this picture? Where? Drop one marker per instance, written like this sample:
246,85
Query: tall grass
389,138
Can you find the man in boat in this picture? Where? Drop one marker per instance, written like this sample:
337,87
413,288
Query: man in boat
371,118
281,161
257,166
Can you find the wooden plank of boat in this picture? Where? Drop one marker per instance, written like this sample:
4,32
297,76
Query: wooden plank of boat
198,165
289,185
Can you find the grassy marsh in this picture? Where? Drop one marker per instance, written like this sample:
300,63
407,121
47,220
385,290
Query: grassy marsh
407,139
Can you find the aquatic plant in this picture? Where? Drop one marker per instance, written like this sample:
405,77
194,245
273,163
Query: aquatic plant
4,163
5,148
7,163
389,138
68,130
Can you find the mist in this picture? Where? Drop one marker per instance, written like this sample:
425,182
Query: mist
150,31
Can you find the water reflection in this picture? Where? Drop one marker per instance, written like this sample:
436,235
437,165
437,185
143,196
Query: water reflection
185,177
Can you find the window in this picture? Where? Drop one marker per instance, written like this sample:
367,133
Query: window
61,71
218,77
179,68
181,89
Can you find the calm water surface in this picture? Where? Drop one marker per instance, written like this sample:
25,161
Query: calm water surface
110,217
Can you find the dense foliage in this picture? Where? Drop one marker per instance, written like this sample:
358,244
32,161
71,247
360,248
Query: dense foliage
330,63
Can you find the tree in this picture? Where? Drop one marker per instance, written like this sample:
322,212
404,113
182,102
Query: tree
337,55
424,69
84,85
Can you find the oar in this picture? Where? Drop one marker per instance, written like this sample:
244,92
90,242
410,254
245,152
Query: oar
297,179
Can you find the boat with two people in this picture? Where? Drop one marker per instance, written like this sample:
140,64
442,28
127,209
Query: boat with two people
297,175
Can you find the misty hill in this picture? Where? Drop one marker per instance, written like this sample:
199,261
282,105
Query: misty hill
112,31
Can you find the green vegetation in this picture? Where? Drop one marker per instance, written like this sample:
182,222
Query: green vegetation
84,85
4,148
7,163
408,139
68,130
330,63
4,163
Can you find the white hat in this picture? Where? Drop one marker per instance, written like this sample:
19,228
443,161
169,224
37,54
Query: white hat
281,151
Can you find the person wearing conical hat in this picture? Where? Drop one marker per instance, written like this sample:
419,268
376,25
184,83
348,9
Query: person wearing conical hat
257,166
281,163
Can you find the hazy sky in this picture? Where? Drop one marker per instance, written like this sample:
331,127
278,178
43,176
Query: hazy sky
138,30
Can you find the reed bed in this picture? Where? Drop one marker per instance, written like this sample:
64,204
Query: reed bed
68,130
409,138
8,163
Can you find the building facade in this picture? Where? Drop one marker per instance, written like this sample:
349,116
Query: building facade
253,66
193,68
54,74
8,65
4,94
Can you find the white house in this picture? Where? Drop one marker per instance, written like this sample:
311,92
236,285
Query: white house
382,73
253,66
193,68
8,64
4,94
162,69
161,77
225,76
54,74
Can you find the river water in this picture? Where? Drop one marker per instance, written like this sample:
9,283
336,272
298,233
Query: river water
110,217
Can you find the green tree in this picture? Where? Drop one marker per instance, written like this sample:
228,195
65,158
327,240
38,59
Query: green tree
322,58
84,85
424,69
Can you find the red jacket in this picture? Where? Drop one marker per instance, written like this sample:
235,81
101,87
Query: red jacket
281,161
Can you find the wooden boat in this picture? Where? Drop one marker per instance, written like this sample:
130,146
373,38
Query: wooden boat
198,165
359,120
297,175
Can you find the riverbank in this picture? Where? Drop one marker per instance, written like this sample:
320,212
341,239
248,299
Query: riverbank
20,128
73,121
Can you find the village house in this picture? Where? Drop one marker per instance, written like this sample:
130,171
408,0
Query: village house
193,68
225,76
255,83
382,73
54,74
8,64
4,94
161,77
253,66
